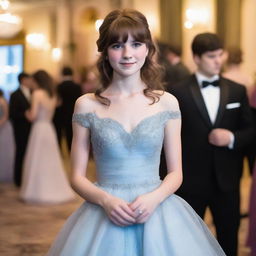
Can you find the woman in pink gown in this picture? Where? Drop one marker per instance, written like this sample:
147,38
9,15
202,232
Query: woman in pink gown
44,179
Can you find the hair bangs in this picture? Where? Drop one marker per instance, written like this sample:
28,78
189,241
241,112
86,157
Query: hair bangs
123,27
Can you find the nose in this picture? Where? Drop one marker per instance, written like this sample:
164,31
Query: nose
127,54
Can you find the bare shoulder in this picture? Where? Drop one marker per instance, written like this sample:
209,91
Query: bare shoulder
86,103
38,94
169,102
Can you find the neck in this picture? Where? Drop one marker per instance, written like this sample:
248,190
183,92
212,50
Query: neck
209,76
126,85
24,86
233,67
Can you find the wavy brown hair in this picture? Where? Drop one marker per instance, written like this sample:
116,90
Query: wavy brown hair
44,81
116,27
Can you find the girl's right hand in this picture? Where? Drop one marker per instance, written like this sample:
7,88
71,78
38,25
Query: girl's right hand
119,211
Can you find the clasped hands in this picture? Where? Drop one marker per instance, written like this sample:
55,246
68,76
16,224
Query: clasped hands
123,213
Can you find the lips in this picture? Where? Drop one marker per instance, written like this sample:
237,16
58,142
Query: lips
127,64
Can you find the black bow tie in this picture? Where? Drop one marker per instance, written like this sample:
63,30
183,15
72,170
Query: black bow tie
213,83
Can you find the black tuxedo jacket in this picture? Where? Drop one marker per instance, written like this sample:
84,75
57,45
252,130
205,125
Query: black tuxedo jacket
68,92
204,163
17,107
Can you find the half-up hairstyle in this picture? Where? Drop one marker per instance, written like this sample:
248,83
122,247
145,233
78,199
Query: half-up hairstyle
116,27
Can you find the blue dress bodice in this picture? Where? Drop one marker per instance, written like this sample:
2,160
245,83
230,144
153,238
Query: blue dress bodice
123,157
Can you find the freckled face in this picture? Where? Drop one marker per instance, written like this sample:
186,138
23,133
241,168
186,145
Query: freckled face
127,58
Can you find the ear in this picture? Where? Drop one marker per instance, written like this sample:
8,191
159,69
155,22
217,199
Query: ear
147,52
197,59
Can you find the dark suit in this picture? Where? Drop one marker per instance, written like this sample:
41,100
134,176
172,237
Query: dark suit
68,92
174,74
17,107
211,174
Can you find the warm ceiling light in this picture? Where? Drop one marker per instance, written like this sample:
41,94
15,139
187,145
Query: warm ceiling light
37,41
4,4
10,24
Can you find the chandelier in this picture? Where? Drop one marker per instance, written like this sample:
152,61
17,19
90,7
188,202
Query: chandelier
10,24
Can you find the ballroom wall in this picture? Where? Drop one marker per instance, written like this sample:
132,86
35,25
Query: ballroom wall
70,27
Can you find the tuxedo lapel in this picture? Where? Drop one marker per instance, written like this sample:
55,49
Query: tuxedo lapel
23,97
224,91
198,98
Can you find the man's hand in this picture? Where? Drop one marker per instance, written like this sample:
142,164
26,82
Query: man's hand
220,137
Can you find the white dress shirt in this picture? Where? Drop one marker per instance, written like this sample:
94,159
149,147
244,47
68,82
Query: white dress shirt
211,96
26,92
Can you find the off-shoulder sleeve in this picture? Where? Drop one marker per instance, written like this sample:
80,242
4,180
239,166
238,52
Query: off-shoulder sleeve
82,119
167,115
173,114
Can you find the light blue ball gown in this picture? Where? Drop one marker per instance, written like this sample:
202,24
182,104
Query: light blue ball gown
128,166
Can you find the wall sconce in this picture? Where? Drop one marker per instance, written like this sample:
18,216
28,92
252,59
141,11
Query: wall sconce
37,41
196,17
56,54
98,23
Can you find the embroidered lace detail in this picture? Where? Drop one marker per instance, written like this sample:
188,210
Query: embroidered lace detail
85,119
107,131
144,184
82,119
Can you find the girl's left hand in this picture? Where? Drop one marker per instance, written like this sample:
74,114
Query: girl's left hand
144,206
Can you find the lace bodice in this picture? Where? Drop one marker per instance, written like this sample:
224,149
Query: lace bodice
126,157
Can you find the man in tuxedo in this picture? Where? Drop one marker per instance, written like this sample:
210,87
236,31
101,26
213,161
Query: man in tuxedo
68,92
216,127
18,105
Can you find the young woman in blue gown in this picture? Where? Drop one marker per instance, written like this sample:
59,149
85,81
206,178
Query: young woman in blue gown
129,211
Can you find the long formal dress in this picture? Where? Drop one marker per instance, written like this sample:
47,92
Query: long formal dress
44,179
128,166
7,150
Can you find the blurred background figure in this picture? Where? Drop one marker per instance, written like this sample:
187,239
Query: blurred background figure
67,92
234,72
18,105
233,69
169,56
7,143
177,71
43,180
88,79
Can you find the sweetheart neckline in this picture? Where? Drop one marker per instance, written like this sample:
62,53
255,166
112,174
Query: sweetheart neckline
121,125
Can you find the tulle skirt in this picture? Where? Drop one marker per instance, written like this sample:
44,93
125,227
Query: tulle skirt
174,229
44,179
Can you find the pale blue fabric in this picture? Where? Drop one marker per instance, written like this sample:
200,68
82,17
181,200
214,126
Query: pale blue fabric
127,166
